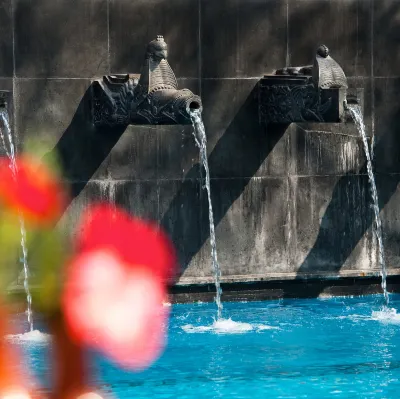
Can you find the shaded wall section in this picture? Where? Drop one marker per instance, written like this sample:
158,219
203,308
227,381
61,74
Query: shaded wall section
289,201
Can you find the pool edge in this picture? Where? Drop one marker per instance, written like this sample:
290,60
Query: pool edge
272,289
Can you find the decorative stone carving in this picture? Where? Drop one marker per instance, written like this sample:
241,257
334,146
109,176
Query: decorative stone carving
311,93
152,97
286,104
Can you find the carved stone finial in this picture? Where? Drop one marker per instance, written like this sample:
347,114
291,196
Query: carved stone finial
156,73
326,72
323,51
157,49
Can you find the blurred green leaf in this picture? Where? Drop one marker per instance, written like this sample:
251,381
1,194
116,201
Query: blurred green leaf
10,247
48,251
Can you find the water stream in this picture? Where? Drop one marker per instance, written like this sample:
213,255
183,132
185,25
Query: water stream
201,141
356,113
9,147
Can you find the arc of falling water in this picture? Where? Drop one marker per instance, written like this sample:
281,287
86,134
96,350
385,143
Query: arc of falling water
13,166
356,113
201,142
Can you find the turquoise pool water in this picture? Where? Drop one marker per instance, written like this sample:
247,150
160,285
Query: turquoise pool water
334,348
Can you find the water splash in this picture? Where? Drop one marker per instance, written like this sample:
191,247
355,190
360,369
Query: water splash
31,336
386,316
10,151
227,326
356,113
201,142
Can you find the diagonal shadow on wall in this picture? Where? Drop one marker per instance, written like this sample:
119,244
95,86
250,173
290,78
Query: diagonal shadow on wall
83,147
187,233
344,234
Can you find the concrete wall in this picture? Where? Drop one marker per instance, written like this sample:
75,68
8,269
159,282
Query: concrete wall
287,202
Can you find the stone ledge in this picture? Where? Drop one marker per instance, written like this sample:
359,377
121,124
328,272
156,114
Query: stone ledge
305,286
286,276
275,286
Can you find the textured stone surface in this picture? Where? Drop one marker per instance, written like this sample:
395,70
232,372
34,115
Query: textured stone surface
61,38
45,108
316,153
343,25
391,221
254,230
331,218
387,111
6,39
181,216
90,191
386,36
288,201
134,23
237,144
242,38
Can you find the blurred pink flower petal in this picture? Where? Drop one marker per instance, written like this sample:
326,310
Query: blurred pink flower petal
136,241
116,308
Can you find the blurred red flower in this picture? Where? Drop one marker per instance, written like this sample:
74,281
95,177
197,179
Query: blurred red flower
116,285
136,241
31,189
115,307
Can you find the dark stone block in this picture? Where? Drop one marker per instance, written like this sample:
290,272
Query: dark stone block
391,220
252,235
386,37
135,23
56,116
237,143
177,151
343,25
316,153
45,108
276,152
331,218
387,122
134,157
242,38
61,38
6,84
180,216
89,192
6,39
138,198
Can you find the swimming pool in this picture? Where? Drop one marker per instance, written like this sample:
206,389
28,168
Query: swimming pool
333,348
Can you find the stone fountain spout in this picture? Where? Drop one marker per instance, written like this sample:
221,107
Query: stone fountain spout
151,97
311,93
